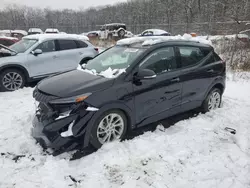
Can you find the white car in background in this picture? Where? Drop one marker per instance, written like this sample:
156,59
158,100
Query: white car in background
154,32
33,31
38,56
52,30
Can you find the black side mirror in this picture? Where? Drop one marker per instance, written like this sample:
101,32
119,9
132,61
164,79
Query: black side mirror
144,74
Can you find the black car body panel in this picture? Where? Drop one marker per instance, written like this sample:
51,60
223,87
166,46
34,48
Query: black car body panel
142,101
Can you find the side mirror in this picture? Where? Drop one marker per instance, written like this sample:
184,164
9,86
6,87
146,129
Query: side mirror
37,52
145,74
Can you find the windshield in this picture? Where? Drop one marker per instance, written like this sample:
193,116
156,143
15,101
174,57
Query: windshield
23,45
115,58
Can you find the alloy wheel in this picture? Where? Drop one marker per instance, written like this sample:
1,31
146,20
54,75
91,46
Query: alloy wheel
12,81
214,101
110,128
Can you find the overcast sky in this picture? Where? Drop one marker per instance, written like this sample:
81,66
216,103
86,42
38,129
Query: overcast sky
60,4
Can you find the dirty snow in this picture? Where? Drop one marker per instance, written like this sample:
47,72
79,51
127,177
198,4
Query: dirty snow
194,153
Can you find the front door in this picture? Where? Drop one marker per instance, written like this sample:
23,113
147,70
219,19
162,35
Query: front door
161,94
46,63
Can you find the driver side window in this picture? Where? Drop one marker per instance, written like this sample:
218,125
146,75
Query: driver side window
160,61
47,46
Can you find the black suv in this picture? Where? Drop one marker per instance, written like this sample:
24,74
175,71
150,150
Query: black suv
127,86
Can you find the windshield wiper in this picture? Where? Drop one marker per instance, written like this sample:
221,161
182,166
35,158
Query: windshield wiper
8,49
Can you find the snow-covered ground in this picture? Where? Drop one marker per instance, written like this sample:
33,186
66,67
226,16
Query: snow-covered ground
194,153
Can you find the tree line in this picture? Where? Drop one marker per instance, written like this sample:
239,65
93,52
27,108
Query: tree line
175,16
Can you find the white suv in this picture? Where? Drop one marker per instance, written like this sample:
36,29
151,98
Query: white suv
38,56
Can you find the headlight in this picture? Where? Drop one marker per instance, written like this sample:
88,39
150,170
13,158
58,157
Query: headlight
75,99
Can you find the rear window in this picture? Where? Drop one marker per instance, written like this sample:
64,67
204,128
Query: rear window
67,44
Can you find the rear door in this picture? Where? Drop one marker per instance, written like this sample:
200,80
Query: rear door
163,93
198,67
68,54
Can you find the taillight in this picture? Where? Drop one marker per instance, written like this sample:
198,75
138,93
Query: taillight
96,49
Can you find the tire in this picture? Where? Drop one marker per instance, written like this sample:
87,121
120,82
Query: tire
121,33
207,106
16,75
95,138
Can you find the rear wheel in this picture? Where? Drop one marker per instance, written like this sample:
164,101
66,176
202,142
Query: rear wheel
110,126
213,100
11,80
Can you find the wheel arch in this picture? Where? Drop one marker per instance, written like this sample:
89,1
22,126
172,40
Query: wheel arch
18,67
110,106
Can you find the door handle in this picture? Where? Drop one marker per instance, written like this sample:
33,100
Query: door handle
80,53
55,56
210,70
175,79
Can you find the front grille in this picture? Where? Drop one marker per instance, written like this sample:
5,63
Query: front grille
43,97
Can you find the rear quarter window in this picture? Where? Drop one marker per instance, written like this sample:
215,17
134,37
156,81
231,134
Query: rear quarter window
81,44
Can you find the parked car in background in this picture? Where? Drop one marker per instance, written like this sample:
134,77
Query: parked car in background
93,34
154,32
18,34
114,31
38,56
128,86
33,31
52,30
8,41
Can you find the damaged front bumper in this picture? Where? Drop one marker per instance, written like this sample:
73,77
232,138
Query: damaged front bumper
61,133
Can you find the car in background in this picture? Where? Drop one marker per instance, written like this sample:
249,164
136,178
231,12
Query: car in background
8,41
52,30
38,56
33,31
114,31
154,32
92,34
135,83
18,34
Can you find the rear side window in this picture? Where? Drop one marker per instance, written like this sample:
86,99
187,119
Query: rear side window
190,55
213,58
81,44
67,44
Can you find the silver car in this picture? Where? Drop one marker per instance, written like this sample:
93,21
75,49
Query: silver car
38,56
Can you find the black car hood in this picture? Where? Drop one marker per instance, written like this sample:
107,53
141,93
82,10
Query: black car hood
74,83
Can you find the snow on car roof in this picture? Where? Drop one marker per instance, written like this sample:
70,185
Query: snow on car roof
20,31
38,30
43,37
152,40
51,30
156,31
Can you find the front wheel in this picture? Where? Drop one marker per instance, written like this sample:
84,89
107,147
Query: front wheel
213,100
11,80
110,126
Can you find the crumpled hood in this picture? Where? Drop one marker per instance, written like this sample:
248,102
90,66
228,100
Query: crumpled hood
74,83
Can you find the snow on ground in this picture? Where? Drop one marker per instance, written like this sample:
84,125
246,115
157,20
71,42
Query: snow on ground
194,153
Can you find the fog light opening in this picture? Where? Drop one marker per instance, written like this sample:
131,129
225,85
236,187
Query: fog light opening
69,132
